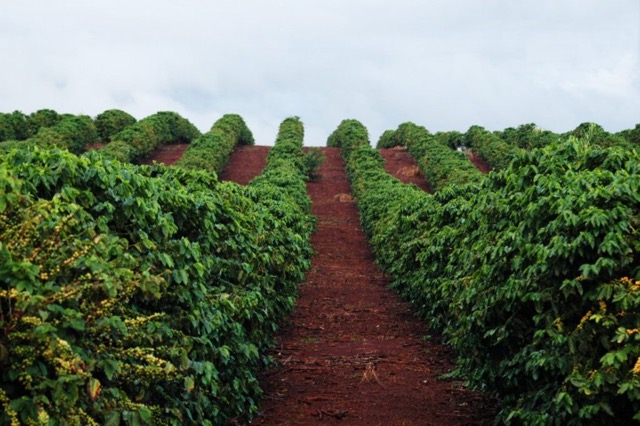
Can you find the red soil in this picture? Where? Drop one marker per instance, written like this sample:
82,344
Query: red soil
478,161
403,166
245,163
166,154
352,353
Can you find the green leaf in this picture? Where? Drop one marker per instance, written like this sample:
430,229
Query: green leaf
112,419
110,367
93,388
189,384
145,414
77,324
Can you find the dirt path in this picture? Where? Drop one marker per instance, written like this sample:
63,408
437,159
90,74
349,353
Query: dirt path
245,163
478,161
398,163
166,154
353,354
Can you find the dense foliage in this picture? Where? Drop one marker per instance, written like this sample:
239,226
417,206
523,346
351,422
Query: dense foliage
148,295
72,132
42,118
112,121
14,126
211,150
596,135
387,140
527,136
632,135
139,139
495,151
141,295
532,276
440,164
453,139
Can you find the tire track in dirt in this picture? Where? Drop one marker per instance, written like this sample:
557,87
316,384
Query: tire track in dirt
352,352
245,163
398,163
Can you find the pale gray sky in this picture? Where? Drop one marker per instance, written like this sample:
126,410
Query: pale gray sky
443,64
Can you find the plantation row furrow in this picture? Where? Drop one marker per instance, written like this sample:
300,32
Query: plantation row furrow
530,273
245,163
211,150
17,126
494,150
68,132
439,164
166,155
138,140
398,163
351,347
144,294
131,140
119,136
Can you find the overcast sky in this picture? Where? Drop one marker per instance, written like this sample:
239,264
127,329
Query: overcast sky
443,64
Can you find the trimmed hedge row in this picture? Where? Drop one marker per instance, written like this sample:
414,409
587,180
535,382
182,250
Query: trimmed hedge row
596,135
211,151
387,140
141,295
631,135
496,152
138,140
533,277
71,132
111,122
285,208
13,126
527,136
285,174
440,164
17,126
349,135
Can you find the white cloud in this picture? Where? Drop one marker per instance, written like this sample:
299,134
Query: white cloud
615,79
440,63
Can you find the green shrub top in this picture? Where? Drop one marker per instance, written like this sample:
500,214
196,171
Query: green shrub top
211,151
533,276
112,121
141,294
141,138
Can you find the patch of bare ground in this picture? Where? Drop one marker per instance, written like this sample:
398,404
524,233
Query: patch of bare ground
478,161
398,163
166,154
245,163
352,353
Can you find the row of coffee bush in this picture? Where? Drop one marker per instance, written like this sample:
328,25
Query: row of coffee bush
142,294
532,274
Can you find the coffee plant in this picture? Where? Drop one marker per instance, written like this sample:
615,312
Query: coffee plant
496,152
139,139
439,164
211,151
141,294
532,274
112,121
14,126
